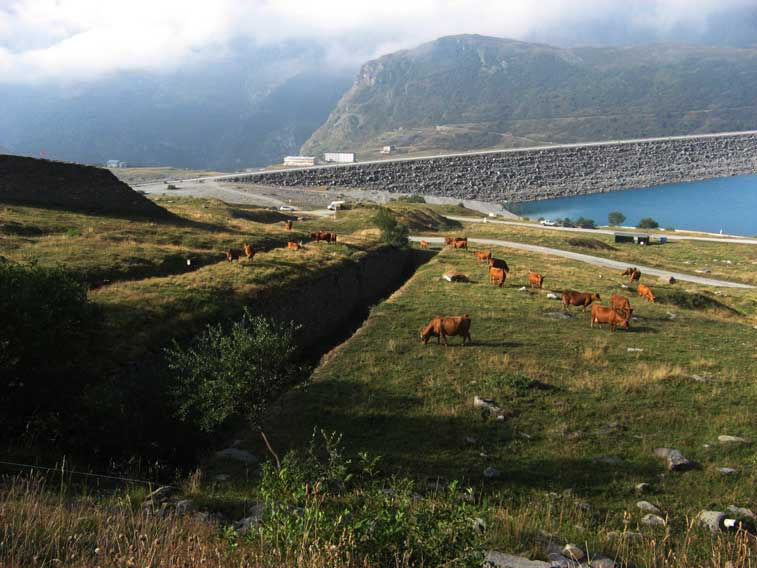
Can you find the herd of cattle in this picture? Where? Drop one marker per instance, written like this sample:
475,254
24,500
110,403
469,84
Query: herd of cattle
617,315
249,252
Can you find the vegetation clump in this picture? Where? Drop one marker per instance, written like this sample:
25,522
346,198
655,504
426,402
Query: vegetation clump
647,223
392,231
615,218
233,372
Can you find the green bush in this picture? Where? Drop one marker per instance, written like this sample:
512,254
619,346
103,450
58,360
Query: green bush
585,223
615,218
411,199
392,232
228,373
46,325
318,497
647,223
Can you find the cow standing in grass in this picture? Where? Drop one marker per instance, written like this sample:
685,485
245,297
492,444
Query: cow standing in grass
424,244
572,298
441,327
483,255
600,314
633,273
498,263
645,292
535,280
621,304
497,276
293,245
233,254
249,252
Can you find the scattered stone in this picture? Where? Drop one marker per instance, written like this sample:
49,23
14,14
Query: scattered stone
634,349
552,296
602,562
523,289
496,559
244,525
675,459
713,520
741,512
701,378
723,439
486,403
727,471
671,315
470,440
492,473
184,506
524,435
238,455
559,315
643,487
653,520
454,276
160,495
557,560
572,551
647,507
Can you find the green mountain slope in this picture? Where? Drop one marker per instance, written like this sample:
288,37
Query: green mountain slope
468,92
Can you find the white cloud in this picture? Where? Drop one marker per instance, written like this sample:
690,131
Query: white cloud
84,39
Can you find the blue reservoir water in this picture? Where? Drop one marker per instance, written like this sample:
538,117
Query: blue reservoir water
729,204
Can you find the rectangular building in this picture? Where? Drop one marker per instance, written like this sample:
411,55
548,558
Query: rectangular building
299,161
339,157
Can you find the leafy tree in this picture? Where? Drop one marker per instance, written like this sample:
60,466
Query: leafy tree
392,232
647,223
232,372
615,218
585,223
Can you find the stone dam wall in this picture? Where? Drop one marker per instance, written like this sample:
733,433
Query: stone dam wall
543,173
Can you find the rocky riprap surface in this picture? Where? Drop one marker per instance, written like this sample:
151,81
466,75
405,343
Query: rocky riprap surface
545,173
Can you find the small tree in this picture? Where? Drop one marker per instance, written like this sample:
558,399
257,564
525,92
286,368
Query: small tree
392,232
647,223
234,372
615,218
585,223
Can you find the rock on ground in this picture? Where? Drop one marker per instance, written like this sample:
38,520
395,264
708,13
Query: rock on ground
712,520
724,439
494,559
653,520
647,507
675,459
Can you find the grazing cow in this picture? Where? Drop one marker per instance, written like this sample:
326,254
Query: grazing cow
600,314
483,255
645,292
233,254
621,304
460,243
633,273
441,327
315,236
571,298
535,280
424,244
497,276
497,263
249,252
331,237
293,245
448,241
288,225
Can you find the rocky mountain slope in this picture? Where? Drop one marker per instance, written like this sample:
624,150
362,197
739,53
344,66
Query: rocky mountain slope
469,92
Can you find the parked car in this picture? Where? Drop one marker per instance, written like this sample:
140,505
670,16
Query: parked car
548,223
286,208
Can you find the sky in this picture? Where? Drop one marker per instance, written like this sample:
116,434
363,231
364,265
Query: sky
83,40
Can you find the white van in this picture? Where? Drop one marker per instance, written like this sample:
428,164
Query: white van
334,205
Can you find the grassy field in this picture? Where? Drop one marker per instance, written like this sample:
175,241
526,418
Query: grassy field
147,175
737,262
583,414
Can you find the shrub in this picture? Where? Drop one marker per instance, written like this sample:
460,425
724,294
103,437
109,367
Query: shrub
585,223
319,498
45,327
225,374
615,218
411,199
647,223
392,232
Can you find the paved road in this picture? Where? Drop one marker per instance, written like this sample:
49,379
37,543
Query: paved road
595,260
731,239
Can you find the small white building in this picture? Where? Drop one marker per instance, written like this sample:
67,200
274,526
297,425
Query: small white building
115,164
299,161
339,157
388,149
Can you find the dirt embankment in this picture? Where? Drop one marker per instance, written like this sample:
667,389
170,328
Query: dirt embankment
73,187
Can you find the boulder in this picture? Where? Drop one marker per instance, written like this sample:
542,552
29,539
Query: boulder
652,520
454,276
643,487
237,455
494,559
573,552
492,473
184,506
741,512
486,403
727,471
675,459
552,296
724,439
255,517
713,520
647,507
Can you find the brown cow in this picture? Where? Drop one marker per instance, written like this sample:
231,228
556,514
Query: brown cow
535,280
460,243
441,327
448,241
600,314
293,245
497,263
645,292
482,255
424,244
621,304
633,273
571,298
497,276
331,237
249,252
316,236
288,225
233,254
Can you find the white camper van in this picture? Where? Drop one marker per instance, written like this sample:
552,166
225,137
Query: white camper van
334,205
